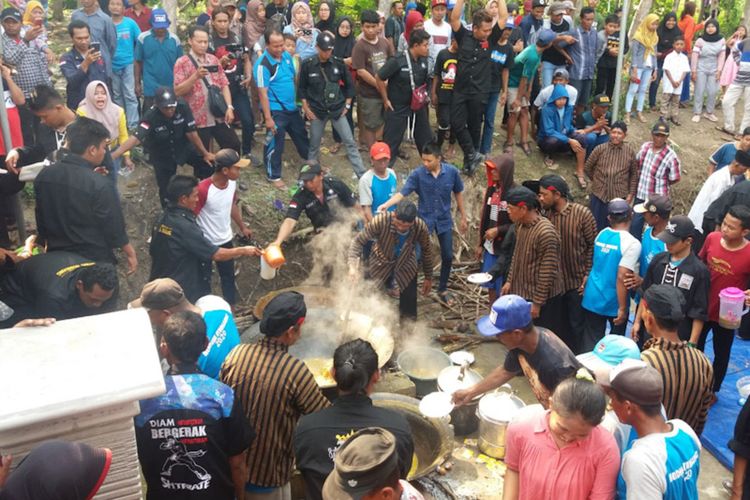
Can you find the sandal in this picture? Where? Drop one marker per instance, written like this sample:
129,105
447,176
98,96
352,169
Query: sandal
581,181
525,148
508,148
550,163
722,129
447,298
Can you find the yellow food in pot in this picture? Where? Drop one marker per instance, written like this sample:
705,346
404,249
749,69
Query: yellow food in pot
321,370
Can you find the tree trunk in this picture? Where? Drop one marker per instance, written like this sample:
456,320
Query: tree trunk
746,16
57,10
170,6
385,7
643,9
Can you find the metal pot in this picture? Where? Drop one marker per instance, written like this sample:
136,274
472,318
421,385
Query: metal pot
495,411
423,365
454,378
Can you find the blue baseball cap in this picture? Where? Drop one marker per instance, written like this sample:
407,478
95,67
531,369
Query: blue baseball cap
609,352
159,19
546,37
509,312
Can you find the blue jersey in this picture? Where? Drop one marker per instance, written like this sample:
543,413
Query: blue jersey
662,465
222,333
650,246
374,191
278,77
612,250
724,155
127,36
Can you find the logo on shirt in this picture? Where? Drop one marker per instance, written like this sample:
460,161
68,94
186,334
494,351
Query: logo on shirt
180,457
684,471
165,230
340,439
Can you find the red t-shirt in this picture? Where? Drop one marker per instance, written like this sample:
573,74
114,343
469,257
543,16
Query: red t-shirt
728,268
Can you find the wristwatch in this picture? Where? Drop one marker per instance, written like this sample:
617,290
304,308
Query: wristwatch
348,106
231,107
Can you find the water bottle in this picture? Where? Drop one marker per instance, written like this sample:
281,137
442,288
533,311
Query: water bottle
269,137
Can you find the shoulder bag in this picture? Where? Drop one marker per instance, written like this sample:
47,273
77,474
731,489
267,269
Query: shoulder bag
216,103
419,96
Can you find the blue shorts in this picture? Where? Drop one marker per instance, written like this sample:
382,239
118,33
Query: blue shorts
488,260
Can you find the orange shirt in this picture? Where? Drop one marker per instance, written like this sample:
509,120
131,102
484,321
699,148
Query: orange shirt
688,27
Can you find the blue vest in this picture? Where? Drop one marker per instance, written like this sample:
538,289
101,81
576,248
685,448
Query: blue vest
600,294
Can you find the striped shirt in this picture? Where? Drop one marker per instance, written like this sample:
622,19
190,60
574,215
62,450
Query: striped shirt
535,267
688,378
613,171
275,390
658,170
384,261
577,229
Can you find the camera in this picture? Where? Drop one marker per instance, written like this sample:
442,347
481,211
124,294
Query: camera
236,50
306,32
96,46
213,68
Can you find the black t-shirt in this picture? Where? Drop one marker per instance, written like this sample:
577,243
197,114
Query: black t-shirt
396,71
44,286
164,138
502,58
446,65
551,363
235,71
691,277
322,213
552,55
186,436
180,251
740,443
320,434
474,63
281,16
613,42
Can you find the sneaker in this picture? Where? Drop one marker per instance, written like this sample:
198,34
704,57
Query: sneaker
254,160
473,164
710,117
695,118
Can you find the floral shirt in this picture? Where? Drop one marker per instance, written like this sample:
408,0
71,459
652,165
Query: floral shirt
197,98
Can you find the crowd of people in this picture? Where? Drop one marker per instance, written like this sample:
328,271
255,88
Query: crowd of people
605,306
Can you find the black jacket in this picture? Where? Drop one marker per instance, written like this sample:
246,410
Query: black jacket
78,210
312,84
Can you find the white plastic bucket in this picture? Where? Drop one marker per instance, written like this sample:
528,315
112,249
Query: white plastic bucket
266,271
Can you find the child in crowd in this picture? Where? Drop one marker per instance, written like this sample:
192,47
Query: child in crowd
606,66
290,45
556,132
676,68
446,64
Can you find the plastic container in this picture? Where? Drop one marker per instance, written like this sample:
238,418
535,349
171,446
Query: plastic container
266,271
731,308
274,256
743,386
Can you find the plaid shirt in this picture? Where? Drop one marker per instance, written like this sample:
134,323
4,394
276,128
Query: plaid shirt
658,170
29,62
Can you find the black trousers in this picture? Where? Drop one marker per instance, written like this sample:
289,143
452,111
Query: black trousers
550,315
396,122
467,113
224,135
594,326
575,319
407,302
444,124
722,342
29,124
605,81
226,276
165,168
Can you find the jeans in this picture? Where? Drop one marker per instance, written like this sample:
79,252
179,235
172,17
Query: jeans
636,225
291,122
349,120
244,111
396,122
594,139
446,256
226,275
548,72
123,93
645,75
686,88
489,123
731,97
317,127
722,340
705,84
653,90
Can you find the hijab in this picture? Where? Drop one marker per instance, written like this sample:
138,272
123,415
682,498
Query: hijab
255,25
412,18
109,116
58,470
716,36
343,46
649,39
487,7
307,24
28,19
329,25
666,35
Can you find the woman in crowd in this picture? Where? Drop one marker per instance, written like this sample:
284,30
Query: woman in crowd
98,106
304,29
729,71
326,17
689,28
255,26
34,16
643,62
494,221
706,62
414,21
568,440
342,50
667,32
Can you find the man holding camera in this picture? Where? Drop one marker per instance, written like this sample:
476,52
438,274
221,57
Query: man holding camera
81,64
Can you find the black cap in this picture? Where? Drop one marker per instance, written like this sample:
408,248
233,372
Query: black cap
522,197
742,158
538,3
325,41
165,98
618,206
665,302
229,158
554,182
660,128
309,171
10,12
658,204
678,228
406,211
283,312
602,100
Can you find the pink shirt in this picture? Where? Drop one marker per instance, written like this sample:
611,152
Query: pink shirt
197,98
585,470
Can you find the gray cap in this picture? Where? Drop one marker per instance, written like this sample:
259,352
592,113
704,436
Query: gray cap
638,382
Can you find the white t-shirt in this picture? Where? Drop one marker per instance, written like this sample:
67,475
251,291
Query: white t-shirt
546,92
440,36
715,185
215,211
677,65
